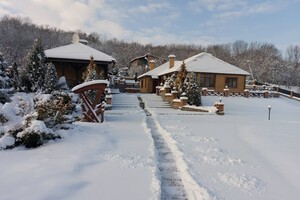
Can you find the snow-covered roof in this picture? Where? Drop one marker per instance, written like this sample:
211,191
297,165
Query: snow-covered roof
202,63
78,51
144,56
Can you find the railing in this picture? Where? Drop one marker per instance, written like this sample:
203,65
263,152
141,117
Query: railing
247,93
290,93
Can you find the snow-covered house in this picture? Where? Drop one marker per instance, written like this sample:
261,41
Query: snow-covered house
71,60
212,73
142,60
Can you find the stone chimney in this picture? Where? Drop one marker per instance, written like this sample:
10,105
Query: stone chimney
171,61
151,64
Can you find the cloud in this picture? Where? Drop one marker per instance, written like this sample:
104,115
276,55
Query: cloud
214,5
87,15
111,29
158,36
150,8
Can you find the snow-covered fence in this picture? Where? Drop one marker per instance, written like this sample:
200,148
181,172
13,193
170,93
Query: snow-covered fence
246,93
280,90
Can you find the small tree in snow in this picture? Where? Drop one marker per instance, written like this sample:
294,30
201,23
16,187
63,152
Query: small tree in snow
15,77
90,73
181,75
170,81
50,78
36,66
192,89
4,79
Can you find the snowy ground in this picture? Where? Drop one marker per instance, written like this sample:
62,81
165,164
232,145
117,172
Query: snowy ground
240,155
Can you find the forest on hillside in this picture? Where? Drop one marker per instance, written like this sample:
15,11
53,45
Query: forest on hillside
263,60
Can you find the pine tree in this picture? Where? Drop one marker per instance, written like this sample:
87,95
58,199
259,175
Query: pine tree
4,79
181,75
90,73
36,66
15,77
192,89
50,78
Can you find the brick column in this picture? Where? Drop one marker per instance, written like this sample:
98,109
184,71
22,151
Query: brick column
246,93
183,101
204,91
226,92
266,94
220,107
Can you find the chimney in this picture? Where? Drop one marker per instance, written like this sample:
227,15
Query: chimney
171,61
151,64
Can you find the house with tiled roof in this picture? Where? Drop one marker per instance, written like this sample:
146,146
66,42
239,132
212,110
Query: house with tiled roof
212,73
72,60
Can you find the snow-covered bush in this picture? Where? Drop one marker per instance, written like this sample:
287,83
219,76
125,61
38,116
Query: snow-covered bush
30,133
31,121
170,81
56,108
4,97
35,133
62,84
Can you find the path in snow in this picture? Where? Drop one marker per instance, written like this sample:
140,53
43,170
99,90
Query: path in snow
171,182
176,182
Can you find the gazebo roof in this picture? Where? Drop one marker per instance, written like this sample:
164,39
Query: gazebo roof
78,51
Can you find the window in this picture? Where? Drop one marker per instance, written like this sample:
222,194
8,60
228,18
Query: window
231,82
142,83
207,80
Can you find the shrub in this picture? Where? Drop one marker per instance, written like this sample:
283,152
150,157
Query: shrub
35,133
55,109
32,140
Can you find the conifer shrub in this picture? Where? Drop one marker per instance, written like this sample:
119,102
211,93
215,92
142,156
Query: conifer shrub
56,109
31,140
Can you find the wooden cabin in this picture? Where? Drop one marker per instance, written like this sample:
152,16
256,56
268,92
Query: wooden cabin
72,60
212,73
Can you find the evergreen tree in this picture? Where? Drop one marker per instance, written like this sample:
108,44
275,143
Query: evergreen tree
192,89
90,73
36,66
50,78
15,77
4,79
181,75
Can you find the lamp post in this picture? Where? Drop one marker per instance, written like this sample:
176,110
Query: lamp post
269,116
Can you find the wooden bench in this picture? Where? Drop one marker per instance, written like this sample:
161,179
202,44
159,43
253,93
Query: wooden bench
91,108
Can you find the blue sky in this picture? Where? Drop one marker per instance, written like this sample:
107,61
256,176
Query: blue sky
169,21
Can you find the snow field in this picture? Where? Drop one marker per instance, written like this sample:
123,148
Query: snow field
240,155
112,160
